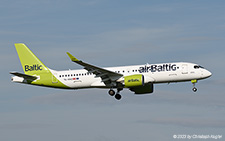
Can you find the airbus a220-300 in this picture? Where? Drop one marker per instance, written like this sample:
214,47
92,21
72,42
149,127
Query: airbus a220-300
137,78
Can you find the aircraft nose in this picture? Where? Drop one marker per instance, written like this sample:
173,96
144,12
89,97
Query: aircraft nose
207,73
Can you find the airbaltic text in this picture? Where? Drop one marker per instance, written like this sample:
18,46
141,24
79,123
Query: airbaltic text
158,68
33,67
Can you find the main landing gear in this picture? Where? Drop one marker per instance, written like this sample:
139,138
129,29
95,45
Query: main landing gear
111,92
193,82
117,95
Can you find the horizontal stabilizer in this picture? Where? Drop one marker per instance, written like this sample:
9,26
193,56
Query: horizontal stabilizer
25,76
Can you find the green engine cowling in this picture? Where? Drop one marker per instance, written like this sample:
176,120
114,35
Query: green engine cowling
138,84
134,80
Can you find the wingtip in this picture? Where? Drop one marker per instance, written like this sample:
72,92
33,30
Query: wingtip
72,57
19,44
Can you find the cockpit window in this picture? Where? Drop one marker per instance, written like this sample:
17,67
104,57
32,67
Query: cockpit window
197,67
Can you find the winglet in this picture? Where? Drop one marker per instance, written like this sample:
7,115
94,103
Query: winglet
72,57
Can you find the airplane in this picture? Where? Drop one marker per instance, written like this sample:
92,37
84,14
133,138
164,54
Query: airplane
137,78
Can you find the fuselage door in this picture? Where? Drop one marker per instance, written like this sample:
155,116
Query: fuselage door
184,69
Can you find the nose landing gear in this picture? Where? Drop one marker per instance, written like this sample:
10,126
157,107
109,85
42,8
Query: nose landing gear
194,88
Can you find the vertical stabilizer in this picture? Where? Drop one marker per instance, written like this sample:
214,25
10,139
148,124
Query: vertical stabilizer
30,63
36,73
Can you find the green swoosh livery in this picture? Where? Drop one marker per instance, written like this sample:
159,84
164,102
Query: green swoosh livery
32,66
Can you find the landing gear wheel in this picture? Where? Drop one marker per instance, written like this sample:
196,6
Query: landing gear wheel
111,92
194,89
118,96
194,82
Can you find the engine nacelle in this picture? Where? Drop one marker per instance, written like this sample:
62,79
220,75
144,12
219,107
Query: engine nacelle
139,84
146,89
137,80
134,80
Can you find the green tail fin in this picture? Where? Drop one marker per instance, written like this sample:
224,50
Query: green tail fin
30,63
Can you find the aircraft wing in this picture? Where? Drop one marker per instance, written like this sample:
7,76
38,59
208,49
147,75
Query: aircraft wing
107,76
25,76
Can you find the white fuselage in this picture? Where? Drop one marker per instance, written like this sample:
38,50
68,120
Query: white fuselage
154,73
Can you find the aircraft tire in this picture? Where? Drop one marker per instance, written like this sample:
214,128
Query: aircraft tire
111,92
195,89
118,96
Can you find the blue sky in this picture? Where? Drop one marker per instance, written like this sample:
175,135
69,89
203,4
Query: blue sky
112,33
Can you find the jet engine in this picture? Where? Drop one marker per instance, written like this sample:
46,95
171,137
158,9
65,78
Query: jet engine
146,89
133,80
139,84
